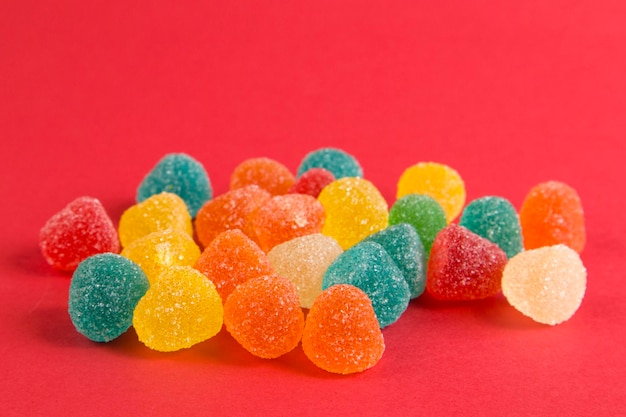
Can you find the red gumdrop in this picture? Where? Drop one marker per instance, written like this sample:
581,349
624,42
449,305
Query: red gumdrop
312,182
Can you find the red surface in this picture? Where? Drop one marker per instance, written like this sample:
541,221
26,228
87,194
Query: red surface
92,94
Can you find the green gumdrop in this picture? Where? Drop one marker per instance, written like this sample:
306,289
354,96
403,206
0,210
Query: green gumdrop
369,267
104,291
338,162
495,219
403,244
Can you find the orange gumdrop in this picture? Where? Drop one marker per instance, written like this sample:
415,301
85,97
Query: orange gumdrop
551,214
231,259
267,173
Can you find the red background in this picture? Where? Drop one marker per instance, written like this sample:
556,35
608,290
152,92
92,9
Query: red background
93,93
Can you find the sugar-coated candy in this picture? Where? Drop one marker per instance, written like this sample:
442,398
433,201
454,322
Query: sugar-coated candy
439,181
232,258
422,212
369,267
284,217
231,210
267,173
464,266
182,308
551,214
180,174
104,291
264,316
303,261
157,213
312,182
338,162
160,250
78,231
341,333
354,209
403,244
495,219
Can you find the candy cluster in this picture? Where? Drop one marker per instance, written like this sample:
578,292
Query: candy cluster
182,264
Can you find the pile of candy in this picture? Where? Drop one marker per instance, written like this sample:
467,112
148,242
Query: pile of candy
325,241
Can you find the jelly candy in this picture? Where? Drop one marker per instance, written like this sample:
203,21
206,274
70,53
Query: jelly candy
104,291
495,219
370,268
157,213
264,316
303,261
423,213
80,230
464,266
338,162
160,250
312,182
341,333
439,181
232,258
268,174
551,214
181,308
354,209
284,217
180,174
231,210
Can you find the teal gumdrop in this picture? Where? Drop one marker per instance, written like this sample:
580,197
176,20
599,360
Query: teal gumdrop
369,267
422,212
403,244
338,162
495,219
104,291
180,174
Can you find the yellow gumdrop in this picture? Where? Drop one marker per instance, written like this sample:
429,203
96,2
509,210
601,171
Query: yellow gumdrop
157,213
182,308
159,250
438,181
354,209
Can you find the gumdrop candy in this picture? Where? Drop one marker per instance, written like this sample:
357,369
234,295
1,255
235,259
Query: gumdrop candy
464,266
182,308
551,214
546,284
338,162
159,250
104,291
267,173
369,267
231,210
312,182
341,333
180,174
284,217
354,209
439,181
303,261
264,316
78,231
403,244
157,213
495,219
232,258
422,212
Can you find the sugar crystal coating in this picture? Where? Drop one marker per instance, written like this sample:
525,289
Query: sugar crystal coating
369,267
180,174
312,182
552,213
267,173
341,333
546,284
338,162
78,231
354,209
264,316
104,291
182,308
303,261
